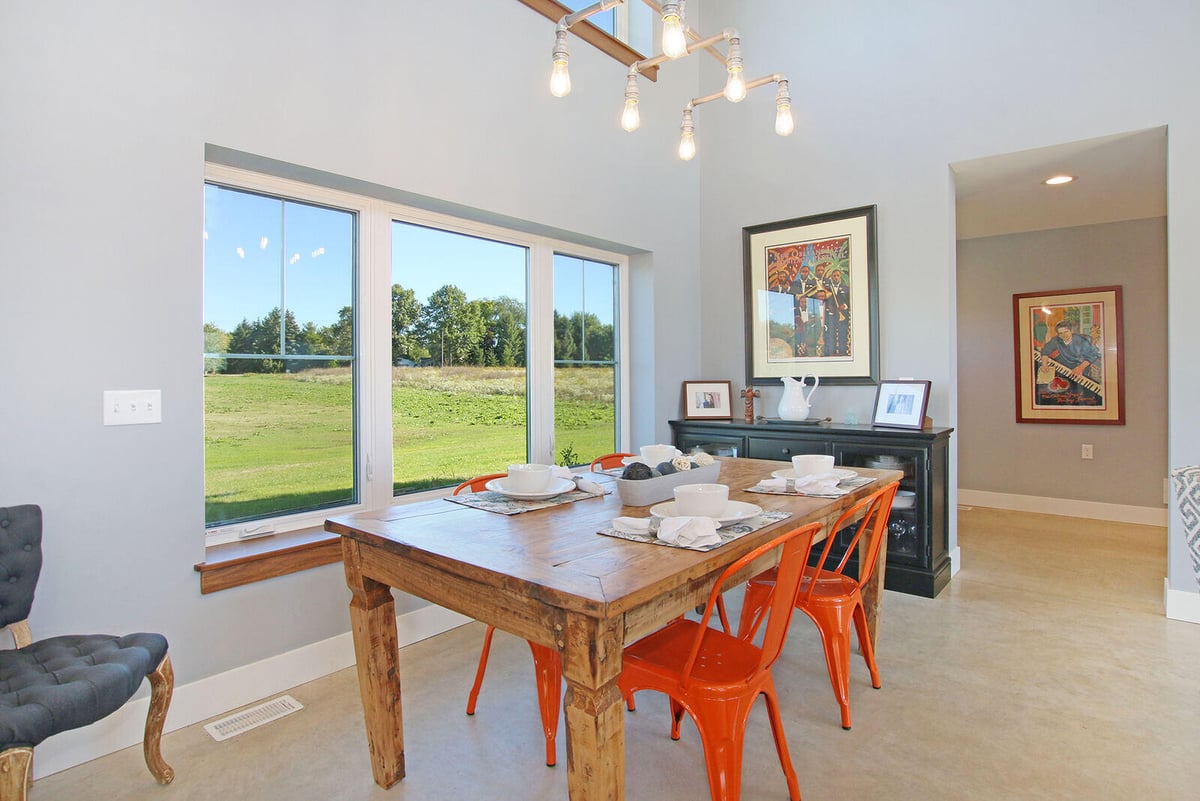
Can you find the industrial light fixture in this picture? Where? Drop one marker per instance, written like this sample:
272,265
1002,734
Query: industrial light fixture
1058,180
675,35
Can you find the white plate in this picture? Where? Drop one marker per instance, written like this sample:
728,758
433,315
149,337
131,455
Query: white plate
734,511
840,473
557,487
628,460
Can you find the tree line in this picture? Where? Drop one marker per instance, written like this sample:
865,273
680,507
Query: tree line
447,330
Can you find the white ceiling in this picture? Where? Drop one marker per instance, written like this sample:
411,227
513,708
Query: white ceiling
1120,177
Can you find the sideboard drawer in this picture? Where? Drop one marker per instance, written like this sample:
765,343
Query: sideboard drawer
784,449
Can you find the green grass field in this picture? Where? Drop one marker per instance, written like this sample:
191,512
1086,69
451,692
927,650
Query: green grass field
279,443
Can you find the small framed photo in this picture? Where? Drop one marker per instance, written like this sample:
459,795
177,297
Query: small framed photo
901,404
707,400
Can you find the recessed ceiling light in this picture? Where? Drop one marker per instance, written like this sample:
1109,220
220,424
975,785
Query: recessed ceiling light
1058,180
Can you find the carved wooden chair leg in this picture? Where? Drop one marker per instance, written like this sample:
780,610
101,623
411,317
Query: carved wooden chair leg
162,685
16,773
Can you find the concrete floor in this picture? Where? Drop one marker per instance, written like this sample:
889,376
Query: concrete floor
1046,670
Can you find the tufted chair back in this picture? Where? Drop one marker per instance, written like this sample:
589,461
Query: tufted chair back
20,560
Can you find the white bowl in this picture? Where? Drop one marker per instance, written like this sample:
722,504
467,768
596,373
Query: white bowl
655,455
812,464
528,477
701,500
905,499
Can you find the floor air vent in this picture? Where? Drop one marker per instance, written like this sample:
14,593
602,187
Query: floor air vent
253,717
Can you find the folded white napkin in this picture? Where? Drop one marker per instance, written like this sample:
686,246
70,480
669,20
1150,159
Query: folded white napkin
581,483
816,484
587,485
689,531
632,525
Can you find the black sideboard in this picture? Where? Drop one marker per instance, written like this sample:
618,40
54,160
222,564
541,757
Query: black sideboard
918,560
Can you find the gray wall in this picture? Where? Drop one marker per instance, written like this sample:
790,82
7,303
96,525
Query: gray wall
997,454
888,96
108,110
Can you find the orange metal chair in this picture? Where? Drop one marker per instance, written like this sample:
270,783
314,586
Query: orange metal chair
547,664
609,460
832,599
716,677
478,483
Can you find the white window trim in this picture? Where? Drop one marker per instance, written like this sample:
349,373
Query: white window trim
372,306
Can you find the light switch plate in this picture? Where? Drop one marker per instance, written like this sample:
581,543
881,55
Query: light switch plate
125,407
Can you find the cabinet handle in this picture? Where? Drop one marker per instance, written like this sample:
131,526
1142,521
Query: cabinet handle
785,450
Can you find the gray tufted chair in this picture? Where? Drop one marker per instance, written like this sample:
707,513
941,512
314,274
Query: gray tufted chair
62,683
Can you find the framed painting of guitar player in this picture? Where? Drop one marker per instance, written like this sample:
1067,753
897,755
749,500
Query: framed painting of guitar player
1069,356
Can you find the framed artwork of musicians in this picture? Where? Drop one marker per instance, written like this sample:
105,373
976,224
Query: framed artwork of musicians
1069,356
811,298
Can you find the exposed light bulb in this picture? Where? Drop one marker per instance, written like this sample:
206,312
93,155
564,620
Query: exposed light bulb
735,85
784,124
560,78
631,119
687,147
687,139
674,41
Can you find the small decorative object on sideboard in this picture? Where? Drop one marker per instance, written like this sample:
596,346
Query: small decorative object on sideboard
749,394
795,405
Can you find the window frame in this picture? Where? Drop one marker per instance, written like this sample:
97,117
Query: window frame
602,41
374,467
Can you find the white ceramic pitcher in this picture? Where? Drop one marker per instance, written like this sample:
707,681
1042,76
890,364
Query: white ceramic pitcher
795,405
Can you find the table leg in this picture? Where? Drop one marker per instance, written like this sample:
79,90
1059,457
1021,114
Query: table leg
595,714
376,651
872,591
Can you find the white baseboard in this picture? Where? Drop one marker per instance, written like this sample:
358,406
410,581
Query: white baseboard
1093,510
1181,605
217,695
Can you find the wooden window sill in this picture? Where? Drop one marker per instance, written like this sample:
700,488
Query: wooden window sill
236,563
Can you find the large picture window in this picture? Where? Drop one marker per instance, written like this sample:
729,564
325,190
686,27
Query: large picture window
279,356
356,351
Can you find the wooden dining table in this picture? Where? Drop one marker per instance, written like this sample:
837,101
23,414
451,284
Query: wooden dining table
549,577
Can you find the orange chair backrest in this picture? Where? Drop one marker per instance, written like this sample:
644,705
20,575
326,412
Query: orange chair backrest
796,546
608,460
476,484
873,525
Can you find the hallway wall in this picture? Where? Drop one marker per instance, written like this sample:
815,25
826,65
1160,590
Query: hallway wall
997,454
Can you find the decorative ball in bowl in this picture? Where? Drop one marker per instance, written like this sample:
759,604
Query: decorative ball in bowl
701,500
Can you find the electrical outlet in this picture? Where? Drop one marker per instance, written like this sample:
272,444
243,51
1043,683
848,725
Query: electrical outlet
125,407
1085,452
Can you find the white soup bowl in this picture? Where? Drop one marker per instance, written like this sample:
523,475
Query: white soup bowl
528,477
811,464
701,500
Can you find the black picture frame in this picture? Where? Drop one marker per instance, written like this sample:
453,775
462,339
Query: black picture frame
791,328
901,404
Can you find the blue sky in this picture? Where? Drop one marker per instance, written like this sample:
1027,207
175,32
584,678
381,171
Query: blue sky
247,238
